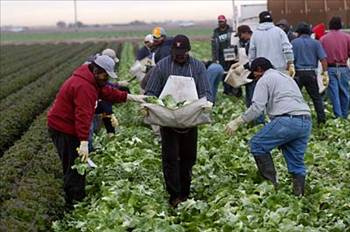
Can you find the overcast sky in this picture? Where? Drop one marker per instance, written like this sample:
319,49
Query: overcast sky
42,13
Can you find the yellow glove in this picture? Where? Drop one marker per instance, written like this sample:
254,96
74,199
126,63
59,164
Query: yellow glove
83,150
325,78
291,70
114,121
232,126
144,112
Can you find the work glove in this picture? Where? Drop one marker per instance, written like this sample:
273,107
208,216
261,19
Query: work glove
291,70
110,135
83,150
114,121
238,68
208,107
325,78
232,126
123,83
144,112
136,98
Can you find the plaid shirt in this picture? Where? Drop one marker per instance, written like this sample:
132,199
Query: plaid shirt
192,68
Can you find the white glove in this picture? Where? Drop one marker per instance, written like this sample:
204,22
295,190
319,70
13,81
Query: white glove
136,98
325,78
114,121
232,126
291,70
123,83
208,106
83,150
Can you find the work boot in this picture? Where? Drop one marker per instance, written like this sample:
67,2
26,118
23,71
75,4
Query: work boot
298,185
266,168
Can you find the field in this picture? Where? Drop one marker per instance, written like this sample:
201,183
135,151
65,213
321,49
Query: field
125,191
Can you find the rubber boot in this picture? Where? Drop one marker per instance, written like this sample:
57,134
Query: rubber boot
298,185
266,168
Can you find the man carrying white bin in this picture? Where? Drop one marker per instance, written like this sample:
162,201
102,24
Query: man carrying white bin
179,145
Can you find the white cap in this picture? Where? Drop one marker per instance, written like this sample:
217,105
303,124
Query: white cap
149,38
107,63
111,53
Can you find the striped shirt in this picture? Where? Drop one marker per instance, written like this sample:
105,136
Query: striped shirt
166,67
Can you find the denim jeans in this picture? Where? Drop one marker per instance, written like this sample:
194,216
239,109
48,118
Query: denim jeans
249,91
215,74
290,134
338,90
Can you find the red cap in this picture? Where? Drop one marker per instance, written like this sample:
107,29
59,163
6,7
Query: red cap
319,30
221,18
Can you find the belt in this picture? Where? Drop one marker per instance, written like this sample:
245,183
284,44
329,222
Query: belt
337,65
303,116
306,69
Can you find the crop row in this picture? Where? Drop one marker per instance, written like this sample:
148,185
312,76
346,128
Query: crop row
19,109
30,182
16,60
41,64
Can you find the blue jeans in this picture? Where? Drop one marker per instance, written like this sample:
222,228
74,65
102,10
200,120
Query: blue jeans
249,91
215,74
338,90
290,134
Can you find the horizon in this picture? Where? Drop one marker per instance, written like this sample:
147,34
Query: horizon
19,13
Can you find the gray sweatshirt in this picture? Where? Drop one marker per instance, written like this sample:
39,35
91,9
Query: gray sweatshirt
272,43
277,93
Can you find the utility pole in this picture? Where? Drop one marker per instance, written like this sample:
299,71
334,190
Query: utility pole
235,16
75,16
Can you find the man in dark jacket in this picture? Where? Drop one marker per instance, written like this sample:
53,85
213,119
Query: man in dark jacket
223,53
284,25
161,44
71,114
179,146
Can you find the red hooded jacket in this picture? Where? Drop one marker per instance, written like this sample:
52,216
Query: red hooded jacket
73,109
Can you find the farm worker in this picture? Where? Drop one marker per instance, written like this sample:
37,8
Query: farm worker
284,25
71,114
222,51
161,44
244,34
290,124
337,46
319,30
104,108
179,146
272,43
215,74
145,50
307,53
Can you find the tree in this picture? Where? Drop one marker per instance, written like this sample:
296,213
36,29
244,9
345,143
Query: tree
61,24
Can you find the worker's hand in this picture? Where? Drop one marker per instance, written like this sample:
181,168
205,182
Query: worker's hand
83,150
232,126
136,98
325,78
144,111
123,83
291,70
114,121
208,107
110,135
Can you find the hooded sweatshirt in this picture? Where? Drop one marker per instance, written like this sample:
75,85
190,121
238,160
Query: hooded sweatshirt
272,43
75,103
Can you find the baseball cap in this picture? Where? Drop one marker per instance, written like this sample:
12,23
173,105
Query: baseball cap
221,18
148,38
303,28
181,44
157,32
265,16
111,53
107,63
